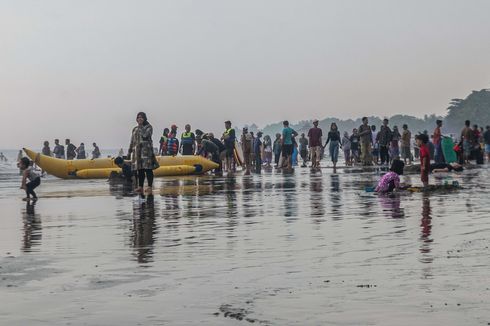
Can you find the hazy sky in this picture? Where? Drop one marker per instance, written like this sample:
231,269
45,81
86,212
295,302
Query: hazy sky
83,69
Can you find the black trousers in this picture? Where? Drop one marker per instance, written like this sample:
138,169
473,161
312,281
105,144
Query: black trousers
384,154
30,186
148,173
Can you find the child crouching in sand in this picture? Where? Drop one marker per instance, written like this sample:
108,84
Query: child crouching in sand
28,173
391,180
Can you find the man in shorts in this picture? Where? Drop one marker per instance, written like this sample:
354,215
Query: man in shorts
315,143
287,144
468,137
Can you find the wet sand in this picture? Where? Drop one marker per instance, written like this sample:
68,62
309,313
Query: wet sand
271,249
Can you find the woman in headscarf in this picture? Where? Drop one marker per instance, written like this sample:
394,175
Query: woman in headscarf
141,152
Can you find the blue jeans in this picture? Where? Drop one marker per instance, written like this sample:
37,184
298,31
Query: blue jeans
334,150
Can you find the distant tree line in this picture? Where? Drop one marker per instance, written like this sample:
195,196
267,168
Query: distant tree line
475,107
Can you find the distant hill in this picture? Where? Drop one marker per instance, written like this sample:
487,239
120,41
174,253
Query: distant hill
414,124
475,107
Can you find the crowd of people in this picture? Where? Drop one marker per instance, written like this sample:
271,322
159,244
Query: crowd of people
69,151
365,146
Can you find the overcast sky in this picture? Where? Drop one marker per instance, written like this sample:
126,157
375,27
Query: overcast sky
83,69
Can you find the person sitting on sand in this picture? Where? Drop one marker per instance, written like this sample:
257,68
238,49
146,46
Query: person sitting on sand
28,173
391,180
445,167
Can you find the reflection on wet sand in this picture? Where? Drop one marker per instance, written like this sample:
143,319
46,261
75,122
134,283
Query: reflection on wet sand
391,205
275,245
32,228
144,228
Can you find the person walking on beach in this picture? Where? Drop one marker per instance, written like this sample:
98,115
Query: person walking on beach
287,144
277,149
374,136
384,139
188,141
354,145
346,145
486,138
229,139
334,140
365,133
95,152
303,149
467,137
267,150
315,142
247,143
70,150
81,152
258,152
437,141
405,144
46,150
59,150
141,152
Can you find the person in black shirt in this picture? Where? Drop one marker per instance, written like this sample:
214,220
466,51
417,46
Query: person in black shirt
334,139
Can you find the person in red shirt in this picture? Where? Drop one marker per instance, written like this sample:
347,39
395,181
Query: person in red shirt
422,141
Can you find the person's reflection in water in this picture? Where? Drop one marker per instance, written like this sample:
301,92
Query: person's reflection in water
247,196
144,228
120,188
426,230
32,228
335,197
316,198
290,197
391,205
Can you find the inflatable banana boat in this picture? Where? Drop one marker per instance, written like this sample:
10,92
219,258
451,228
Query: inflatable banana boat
103,167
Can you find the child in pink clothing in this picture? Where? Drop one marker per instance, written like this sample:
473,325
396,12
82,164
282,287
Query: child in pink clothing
391,180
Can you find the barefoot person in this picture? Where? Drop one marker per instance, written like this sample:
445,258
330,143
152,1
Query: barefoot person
287,144
334,140
141,152
365,132
28,173
315,143
422,141
229,138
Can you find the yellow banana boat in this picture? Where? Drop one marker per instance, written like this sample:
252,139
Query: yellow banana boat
66,169
162,171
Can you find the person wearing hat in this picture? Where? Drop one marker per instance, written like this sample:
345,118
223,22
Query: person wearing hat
315,142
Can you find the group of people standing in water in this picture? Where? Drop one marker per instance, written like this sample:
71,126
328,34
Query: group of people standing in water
364,147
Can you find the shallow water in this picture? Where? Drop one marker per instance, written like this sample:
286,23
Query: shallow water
271,249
